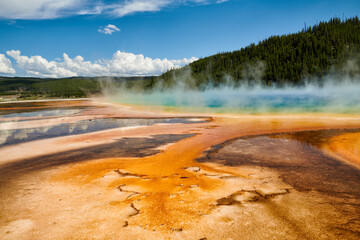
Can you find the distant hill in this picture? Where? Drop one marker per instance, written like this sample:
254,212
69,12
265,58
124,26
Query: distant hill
33,88
327,48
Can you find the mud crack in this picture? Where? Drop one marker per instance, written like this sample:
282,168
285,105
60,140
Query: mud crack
132,193
136,211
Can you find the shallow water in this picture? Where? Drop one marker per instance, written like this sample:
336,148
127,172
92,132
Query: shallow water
330,98
41,113
14,136
41,108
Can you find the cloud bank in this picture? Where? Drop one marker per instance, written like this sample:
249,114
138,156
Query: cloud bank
50,9
121,64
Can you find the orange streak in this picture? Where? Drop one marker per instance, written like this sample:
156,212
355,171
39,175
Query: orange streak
346,146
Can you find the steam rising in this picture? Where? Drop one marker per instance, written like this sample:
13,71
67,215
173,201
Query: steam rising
334,94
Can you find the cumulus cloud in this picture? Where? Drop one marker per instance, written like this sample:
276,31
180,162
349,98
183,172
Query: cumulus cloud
50,9
109,29
38,66
5,65
121,64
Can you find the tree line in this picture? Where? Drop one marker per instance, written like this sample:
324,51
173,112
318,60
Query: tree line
311,54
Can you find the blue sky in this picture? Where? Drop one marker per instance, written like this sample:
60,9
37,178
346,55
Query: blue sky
144,37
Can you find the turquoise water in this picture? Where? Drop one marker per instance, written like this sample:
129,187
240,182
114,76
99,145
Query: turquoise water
334,99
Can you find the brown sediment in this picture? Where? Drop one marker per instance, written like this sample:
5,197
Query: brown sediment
339,143
302,166
269,193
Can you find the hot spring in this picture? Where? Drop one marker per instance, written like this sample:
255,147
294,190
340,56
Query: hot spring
330,98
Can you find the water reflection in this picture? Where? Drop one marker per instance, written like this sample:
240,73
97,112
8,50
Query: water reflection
14,136
41,113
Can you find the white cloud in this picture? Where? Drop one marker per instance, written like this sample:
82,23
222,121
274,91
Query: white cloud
50,9
109,29
5,65
39,9
133,6
121,64
184,61
38,66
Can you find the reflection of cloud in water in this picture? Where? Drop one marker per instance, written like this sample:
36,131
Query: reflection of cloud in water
4,135
79,125
14,136
20,135
42,113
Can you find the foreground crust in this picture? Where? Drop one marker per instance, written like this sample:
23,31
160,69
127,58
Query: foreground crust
201,186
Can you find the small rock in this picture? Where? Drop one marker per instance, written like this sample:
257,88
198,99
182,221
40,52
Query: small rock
125,224
177,229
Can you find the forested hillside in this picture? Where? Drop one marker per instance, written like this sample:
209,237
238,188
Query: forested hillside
326,48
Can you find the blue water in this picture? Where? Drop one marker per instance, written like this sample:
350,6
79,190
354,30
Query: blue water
331,99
